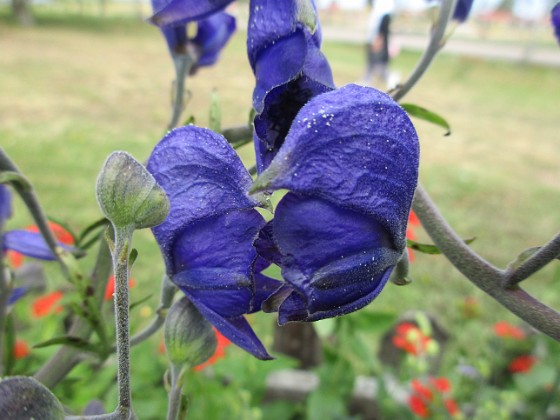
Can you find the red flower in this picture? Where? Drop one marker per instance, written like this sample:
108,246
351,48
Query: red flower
411,339
16,259
506,330
45,305
110,289
220,352
413,223
21,349
522,364
422,400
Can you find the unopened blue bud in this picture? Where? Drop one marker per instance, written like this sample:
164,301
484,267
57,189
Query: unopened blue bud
22,397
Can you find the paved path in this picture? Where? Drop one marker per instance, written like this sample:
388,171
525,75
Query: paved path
546,56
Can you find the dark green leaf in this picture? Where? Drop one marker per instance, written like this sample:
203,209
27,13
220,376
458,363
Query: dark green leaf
426,115
67,340
429,248
93,228
132,257
139,302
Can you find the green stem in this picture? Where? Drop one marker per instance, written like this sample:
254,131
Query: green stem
123,239
435,44
183,65
538,260
480,272
174,409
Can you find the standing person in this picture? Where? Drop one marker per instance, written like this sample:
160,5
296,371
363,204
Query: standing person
378,40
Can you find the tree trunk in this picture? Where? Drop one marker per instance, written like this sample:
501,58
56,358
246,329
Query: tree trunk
21,10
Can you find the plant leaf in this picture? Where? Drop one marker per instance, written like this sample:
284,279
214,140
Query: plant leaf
427,115
68,340
430,248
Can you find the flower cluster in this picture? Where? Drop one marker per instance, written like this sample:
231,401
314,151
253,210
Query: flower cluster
409,338
430,397
347,156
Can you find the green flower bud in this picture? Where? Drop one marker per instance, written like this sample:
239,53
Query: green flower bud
129,195
22,397
189,337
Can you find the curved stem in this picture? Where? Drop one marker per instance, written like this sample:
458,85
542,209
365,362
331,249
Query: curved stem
433,48
183,65
239,134
535,262
480,272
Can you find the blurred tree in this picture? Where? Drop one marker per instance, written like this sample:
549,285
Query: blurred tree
21,10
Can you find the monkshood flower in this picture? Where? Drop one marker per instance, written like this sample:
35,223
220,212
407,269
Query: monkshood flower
555,19
462,10
283,45
212,35
207,239
176,12
350,163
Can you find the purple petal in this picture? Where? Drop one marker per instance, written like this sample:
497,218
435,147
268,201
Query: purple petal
16,295
555,19
237,330
212,35
5,204
333,257
266,248
354,147
176,12
202,176
462,10
30,244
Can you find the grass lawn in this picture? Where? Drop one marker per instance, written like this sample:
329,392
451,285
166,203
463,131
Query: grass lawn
72,91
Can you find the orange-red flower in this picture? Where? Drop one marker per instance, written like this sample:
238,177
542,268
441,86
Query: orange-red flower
522,364
220,352
413,223
21,349
16,259
411,339
110,289
45,305
422,401
506,330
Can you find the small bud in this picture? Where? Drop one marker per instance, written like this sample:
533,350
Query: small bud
189,338
129,195
22,397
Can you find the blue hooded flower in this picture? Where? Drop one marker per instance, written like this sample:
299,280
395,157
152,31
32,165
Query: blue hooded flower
555,19
212,35
207,239
176,12
350,163
283,45
462,10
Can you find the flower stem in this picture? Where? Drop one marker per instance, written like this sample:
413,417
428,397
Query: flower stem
123,239
183,65
480,272
175,409
434,46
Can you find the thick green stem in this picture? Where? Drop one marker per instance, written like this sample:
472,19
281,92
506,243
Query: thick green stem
183,65
123,239
480,272
174,409
431,51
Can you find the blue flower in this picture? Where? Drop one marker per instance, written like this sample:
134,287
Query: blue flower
207,239
176,12
555,19
212,35
350,163
462,10
283,45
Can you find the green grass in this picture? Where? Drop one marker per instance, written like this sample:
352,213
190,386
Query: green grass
73,90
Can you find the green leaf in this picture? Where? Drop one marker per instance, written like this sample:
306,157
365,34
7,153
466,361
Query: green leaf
190,120
139,302
372,322
68,340
429,248
427,115
215,117
524,256
92,228
132,257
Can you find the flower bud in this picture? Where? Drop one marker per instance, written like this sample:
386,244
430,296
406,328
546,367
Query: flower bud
189,338
22,397
129,195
